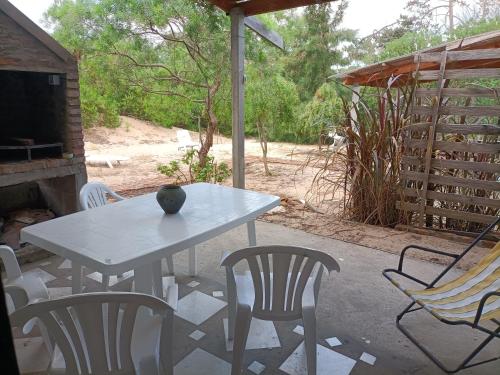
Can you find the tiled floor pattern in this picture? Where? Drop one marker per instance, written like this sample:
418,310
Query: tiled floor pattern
202,347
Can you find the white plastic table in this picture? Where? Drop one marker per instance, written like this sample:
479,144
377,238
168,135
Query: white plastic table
136,234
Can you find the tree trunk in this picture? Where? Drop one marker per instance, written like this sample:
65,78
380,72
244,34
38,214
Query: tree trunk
208,141
263,145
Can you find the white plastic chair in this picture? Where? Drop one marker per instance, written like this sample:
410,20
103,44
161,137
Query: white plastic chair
282,284
22,289
96,194
106,333
184,140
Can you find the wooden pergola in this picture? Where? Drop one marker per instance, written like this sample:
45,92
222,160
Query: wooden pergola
241,12
377,75
253,7
450,161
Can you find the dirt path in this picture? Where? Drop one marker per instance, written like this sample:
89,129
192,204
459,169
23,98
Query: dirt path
148,145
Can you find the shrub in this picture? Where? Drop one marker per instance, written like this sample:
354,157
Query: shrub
212,172
366,172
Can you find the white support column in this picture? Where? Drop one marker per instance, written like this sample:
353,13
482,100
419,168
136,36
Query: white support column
238,92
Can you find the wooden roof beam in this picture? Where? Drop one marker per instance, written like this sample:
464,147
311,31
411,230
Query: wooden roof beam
253,7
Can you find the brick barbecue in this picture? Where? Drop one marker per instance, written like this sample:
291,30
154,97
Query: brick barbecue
42,162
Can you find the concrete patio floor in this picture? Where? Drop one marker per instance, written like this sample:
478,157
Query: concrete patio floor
357,306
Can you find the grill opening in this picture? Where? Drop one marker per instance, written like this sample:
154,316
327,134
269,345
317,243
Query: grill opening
32,115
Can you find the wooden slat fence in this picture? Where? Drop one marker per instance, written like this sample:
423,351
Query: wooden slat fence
451,148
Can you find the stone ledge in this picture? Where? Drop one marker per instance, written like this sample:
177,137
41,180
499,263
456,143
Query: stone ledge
29,166
42,174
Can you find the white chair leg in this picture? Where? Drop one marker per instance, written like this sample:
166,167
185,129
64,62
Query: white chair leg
47,339
231,304
242,327
310,335
157,280
170,265
193,263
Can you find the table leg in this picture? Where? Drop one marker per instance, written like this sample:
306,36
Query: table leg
143,277
76,277
157,280
193,264
105,283
252,237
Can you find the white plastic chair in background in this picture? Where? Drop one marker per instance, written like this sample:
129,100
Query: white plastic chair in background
282,284
93,195
22,289
184,140
96,194
106,333
338,141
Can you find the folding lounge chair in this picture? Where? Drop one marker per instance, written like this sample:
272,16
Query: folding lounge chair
472,299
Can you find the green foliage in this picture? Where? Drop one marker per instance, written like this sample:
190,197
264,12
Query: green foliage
323,114
409,43
271,102
366,171
475,27
99,94
212,172
131,64
315,46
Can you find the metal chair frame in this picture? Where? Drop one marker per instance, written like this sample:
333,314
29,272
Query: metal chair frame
492,333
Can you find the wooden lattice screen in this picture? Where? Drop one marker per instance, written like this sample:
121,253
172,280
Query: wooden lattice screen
450,163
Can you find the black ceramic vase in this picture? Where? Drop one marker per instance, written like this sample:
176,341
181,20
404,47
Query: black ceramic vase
171,198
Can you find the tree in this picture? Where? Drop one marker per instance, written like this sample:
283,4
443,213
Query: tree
175,48
271,105
426,13
315,46
324,114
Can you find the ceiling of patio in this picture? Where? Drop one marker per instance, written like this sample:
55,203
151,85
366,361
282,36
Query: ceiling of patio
252,7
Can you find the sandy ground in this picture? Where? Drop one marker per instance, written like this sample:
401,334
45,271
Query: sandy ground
147,145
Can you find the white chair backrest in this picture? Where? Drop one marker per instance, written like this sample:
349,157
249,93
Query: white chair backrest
94,330
183,136
280,275
10,263
95,194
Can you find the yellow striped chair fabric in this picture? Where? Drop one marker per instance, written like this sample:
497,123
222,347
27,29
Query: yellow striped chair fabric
459,299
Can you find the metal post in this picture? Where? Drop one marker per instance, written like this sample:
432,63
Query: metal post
237,81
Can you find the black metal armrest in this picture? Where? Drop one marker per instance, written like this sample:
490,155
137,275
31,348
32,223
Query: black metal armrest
399,271
480,308
422,248
387,274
